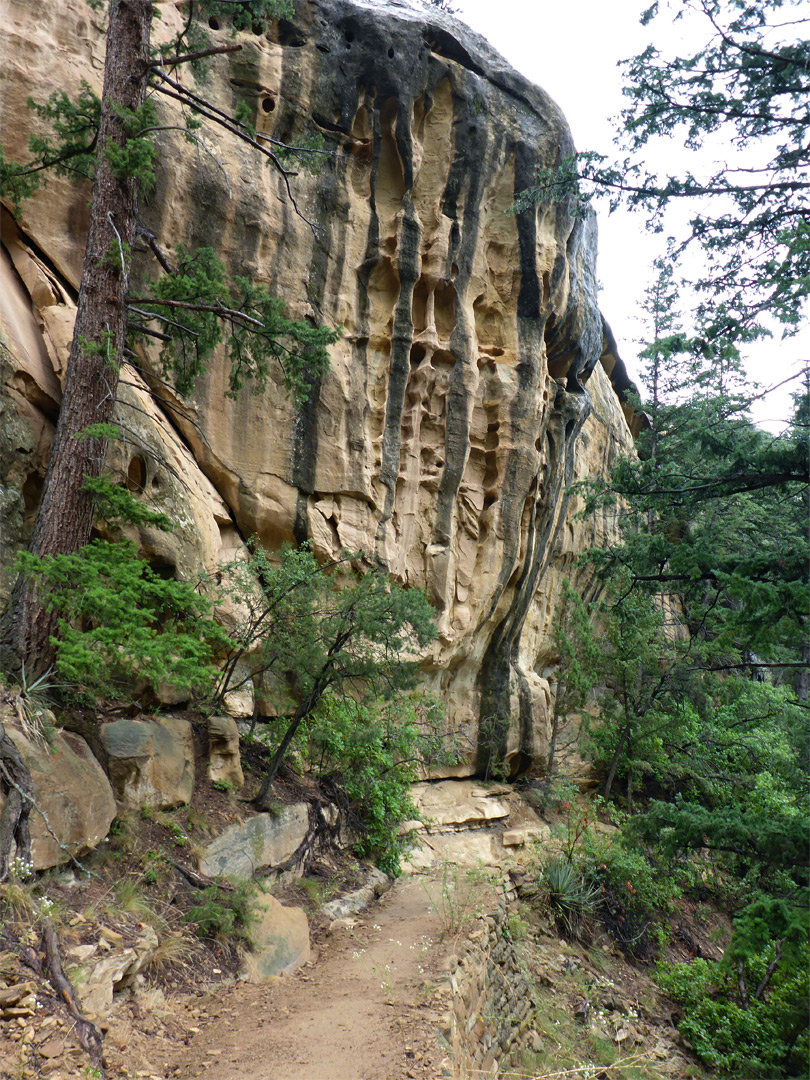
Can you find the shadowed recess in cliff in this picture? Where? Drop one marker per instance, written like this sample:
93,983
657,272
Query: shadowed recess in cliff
502,674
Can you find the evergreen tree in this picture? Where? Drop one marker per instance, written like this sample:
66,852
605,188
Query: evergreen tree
715,517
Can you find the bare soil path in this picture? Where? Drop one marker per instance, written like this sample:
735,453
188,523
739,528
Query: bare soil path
365,1008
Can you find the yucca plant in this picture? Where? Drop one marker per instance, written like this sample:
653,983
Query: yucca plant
570,897
31,701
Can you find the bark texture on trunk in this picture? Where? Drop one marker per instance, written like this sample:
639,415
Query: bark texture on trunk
65,517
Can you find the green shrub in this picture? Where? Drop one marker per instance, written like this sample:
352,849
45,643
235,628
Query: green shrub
643,884
225,914
766,1037
373,753
119,621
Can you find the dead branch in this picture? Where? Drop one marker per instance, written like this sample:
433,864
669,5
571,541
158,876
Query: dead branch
763,986
173,61
90,1038
198,880
204,108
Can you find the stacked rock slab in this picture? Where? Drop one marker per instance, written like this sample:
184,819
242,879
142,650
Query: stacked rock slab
466,393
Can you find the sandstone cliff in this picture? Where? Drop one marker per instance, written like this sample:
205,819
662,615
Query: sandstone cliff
466,393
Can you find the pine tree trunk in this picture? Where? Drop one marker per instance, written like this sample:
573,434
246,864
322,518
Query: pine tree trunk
65,517
614,764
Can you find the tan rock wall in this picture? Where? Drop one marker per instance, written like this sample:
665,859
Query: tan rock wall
466,393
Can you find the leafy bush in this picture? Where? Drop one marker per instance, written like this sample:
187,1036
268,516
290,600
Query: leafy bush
765,1037
373,752
320,635
613,861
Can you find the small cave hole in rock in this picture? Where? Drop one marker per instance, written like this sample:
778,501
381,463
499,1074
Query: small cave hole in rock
444,308
349,35
418,353
419,306
268,104
519,765
32,493
136,474
164,568
213,23
390,54
258,29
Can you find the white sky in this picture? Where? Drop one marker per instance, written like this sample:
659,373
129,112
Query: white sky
571,48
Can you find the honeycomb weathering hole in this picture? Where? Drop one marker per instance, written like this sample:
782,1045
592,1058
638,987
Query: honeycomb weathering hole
136,474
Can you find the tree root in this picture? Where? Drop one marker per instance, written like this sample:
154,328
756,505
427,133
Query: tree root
18,787
320,835
16,781
90,1038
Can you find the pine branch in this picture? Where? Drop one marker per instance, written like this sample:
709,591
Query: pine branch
173,61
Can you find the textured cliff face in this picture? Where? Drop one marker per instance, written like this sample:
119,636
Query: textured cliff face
466,394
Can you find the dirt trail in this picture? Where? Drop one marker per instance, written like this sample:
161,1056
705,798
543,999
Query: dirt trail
364,1009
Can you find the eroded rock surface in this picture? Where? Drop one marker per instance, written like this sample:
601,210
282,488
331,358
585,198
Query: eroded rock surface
150,762
224,760
466,394
458,803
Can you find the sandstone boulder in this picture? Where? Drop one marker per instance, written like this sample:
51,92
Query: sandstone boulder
279,941
476,847
239,701
224,760
262,840
524,835
72,792
151,762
